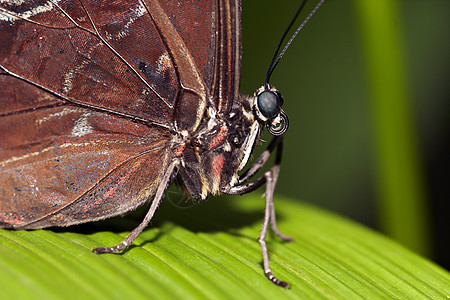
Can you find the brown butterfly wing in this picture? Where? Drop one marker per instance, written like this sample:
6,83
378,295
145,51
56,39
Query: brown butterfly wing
64,165
88,93
84,53
211,31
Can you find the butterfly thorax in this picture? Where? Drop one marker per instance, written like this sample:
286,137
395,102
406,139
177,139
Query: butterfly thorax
212,157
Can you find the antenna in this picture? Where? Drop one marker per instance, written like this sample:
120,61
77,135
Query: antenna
276,59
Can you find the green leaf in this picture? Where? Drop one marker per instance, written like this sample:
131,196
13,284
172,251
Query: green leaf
210,251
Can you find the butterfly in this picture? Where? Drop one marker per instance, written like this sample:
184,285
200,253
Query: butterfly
105,103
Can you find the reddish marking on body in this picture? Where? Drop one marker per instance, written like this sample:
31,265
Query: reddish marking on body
217,166
223,132
180,150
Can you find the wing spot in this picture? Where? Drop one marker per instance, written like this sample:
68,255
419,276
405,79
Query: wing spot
82,126
163,64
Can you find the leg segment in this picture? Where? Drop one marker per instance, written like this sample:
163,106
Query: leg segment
275,172
262,159
270,187
242,187
155,204
270,179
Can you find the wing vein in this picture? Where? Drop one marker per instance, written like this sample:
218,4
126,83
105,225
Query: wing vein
116,53
84,105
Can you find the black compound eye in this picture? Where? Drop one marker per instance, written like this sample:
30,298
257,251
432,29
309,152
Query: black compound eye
269,104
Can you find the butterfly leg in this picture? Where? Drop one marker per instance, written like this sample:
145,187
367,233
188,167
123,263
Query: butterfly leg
269,178
274,175
242,187
251,186
148,217
268,217
277,141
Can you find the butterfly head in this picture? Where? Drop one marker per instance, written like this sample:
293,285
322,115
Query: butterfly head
267,102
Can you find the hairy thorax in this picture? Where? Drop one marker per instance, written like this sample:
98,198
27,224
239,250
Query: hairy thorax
212,157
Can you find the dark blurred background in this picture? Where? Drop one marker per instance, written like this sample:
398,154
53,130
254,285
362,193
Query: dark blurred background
330,158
